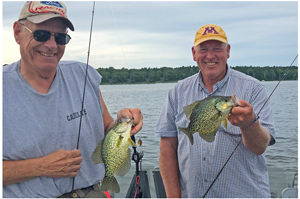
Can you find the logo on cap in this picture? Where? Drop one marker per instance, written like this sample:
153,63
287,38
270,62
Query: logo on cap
52,3
210,30
47,6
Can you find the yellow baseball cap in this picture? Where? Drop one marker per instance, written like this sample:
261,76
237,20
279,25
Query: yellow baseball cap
40,11
210,32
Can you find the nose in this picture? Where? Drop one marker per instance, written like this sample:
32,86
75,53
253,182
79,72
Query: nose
51,43
210,54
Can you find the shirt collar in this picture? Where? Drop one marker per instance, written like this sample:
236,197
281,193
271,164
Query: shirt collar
218,85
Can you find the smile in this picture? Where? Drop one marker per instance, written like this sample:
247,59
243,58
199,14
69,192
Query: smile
47,55
211,64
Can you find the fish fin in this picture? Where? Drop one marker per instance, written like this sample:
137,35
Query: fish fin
189,109
186,131
131,142
225,123
97,156
110,183
209,136
125,165
119,141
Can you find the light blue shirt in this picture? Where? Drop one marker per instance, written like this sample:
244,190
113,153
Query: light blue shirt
245,175
35,125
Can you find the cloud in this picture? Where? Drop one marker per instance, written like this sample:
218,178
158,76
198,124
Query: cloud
10,49
139,34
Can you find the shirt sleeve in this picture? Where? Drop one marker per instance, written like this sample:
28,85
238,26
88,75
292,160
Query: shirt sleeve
258,98
166,125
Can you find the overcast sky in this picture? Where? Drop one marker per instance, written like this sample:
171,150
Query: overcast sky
157,34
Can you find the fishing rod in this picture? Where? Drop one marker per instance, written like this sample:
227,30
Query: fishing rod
252,123
73,195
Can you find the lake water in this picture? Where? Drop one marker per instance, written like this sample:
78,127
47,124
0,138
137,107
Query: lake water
150,98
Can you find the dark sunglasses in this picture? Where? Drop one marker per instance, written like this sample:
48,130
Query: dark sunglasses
44,35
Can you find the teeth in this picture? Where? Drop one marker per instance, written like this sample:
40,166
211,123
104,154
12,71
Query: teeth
210,64
47,55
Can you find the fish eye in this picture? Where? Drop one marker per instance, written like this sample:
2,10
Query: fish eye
225,100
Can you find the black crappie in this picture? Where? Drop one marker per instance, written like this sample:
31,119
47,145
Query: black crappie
206,115
113,151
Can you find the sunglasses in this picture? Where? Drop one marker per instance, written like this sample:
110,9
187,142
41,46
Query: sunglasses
44,35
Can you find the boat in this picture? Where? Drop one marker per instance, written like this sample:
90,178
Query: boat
139,187
147,183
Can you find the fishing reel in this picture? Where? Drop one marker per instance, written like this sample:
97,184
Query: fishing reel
136,156
137,186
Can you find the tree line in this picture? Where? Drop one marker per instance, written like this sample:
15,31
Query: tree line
166,74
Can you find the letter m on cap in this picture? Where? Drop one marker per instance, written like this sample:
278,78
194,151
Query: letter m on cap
210,30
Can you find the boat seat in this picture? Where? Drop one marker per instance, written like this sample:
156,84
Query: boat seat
289,193
159,185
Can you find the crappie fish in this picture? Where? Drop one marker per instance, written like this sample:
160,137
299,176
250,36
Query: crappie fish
113,151
206,115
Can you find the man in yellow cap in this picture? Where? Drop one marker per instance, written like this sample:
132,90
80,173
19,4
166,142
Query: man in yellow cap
189,170
42,100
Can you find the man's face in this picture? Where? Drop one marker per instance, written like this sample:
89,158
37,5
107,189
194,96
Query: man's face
41,56
211,57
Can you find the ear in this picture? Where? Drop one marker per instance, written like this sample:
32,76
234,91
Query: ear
228,50
17,31
194,52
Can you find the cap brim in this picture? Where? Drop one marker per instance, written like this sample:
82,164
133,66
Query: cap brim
44,17
210,38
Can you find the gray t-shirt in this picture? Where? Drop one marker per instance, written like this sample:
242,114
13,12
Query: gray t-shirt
35,125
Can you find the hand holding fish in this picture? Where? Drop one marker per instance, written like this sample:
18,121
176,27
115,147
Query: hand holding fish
136,115
242,115
255,137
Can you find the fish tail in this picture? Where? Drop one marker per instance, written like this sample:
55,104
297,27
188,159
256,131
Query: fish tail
110,183
190,135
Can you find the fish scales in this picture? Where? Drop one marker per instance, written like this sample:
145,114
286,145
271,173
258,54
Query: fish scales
203,113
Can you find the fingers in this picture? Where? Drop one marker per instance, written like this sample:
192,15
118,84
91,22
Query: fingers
138,120
61,163
73,163
243,108
76,157
75,153
73,166
136,115
124,113
241,115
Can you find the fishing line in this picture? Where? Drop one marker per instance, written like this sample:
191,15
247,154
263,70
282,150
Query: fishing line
86,73
111,7
136,157
255,119
278,84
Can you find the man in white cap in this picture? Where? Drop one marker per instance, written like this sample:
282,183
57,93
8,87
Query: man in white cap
188,170
42,98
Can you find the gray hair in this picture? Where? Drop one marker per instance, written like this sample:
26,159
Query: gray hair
22,21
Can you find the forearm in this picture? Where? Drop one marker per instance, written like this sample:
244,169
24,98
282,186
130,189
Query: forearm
108,121
256,138
109,125
58,164
168,164
20,170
